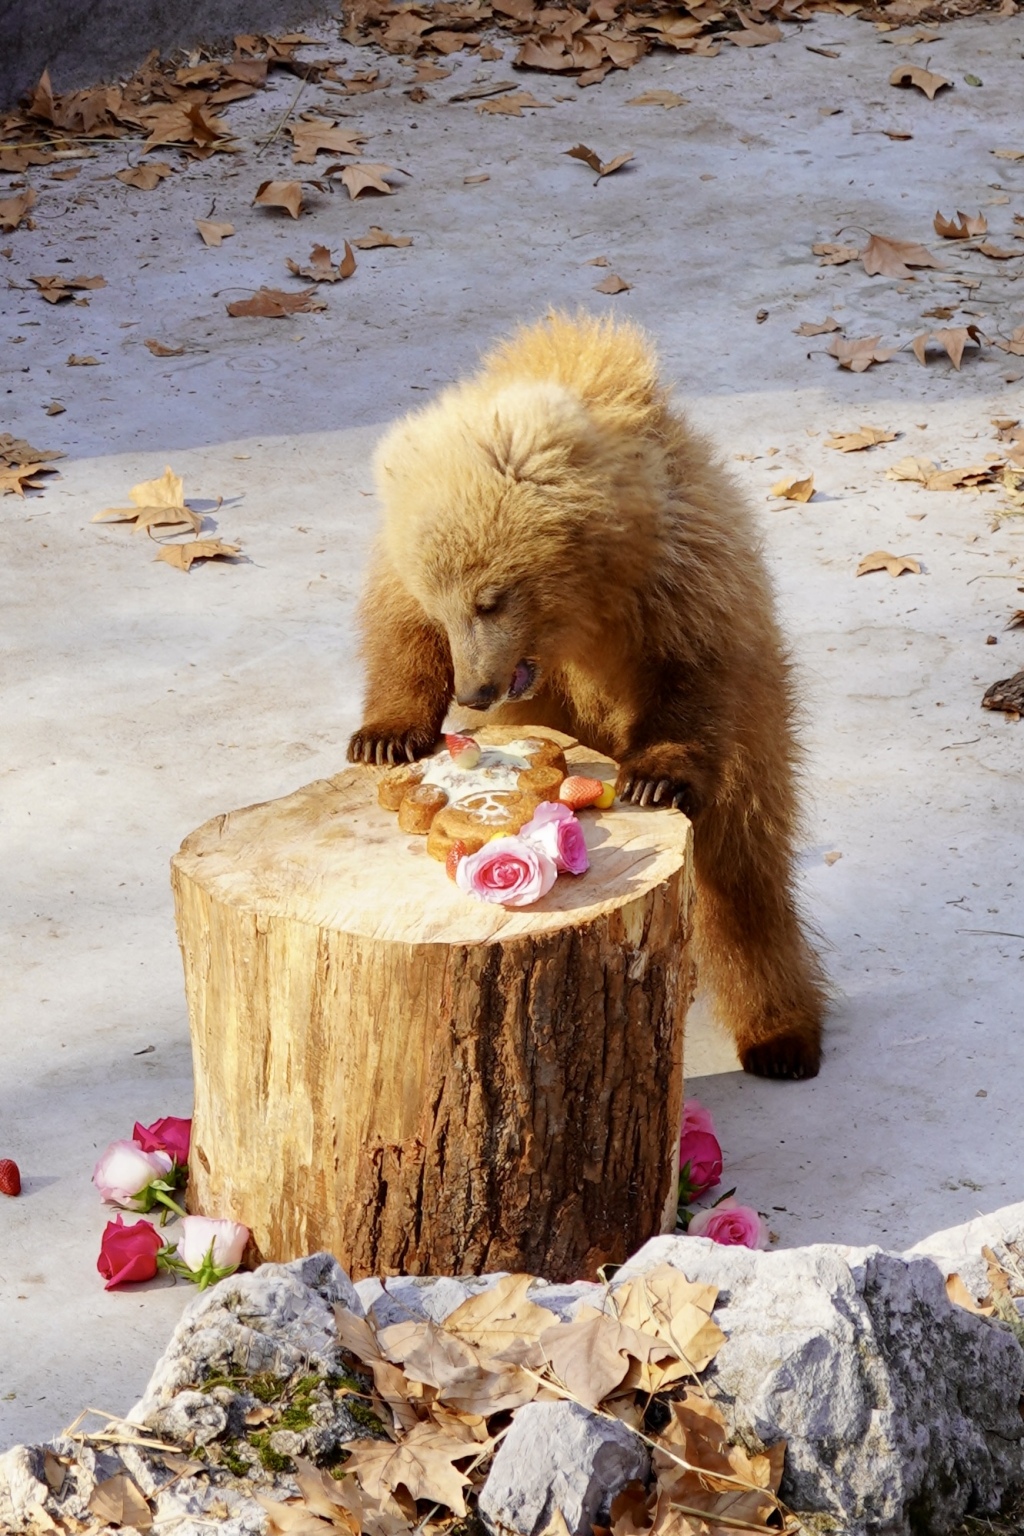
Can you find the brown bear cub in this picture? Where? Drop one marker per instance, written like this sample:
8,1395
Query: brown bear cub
560,548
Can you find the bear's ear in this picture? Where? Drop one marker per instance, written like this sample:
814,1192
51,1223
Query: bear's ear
536,432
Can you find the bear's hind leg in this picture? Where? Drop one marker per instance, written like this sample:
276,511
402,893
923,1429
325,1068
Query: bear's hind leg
767,981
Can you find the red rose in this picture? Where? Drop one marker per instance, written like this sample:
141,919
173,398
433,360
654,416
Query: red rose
700,1163
128,1253
170,1135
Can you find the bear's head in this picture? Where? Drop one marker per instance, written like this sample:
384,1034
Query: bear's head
491,500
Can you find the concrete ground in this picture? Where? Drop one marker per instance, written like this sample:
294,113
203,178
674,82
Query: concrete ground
139,701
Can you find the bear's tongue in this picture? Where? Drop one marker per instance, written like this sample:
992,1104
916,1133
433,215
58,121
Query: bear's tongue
522,677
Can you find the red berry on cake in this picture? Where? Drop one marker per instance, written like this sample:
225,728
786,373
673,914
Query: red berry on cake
10,1178
579,792
464,751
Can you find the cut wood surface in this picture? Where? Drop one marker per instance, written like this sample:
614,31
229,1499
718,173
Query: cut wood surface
420,1081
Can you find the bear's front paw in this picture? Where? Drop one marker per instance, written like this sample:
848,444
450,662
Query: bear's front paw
652,780
383,742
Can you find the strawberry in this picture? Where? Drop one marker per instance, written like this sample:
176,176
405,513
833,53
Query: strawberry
580,792
10,1178
464,751
456,853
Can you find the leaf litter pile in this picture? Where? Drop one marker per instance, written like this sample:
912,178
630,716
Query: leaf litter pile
158,508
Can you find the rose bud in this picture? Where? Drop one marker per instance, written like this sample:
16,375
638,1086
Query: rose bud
126,1175
170,1135
738,1226
556,832
128,1253
208,1249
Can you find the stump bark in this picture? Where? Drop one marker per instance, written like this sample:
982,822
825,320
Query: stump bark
418,1081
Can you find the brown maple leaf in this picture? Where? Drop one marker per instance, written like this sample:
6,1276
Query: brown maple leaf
952,339
864,437
275,304
1009,154
184,556
666,99
311,139
755,34
962,227
120,1501
511,105
319,266
1006,695
894,258
882,560
213,232
793,488
997,252
16,450
811,328
280,194
378,237
77,361
155,504
858,353
833,255
15,478
159,349
613,283
146,176
13,210
361,177
602,167
910,75
423,1462
1014,343
55,288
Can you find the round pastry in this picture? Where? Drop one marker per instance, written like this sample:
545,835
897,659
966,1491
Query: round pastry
542,782
419,807
477,818
396,783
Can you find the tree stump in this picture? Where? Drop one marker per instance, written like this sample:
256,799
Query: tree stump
418,1081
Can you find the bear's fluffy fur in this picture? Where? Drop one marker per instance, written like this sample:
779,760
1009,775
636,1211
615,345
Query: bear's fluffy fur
560,548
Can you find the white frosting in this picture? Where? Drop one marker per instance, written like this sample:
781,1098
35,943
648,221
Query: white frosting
498,769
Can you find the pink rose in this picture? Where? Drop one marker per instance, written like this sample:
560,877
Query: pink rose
508,871
169,1135
128,1253
696,1118
556,832
700,1164
738,1226
208,1249
126,1175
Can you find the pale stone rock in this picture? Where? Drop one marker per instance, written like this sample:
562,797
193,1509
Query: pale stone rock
899,1409
957,1250
559,1456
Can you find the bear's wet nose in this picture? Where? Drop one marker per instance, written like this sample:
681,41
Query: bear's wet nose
478,698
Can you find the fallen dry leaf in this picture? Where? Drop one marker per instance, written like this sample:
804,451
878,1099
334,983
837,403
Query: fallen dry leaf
146,176
960,1296
1006,695
666,99
831,858
118,1500
811,328
183,556
962,227
864,437
589,1356
361,177
280,194
1016,620
422,1463
967,478
591,158
894,258
793,488
910,75
665,1306
882,560
511,105
952,339
858,353
74,361
159,350
14,209
53,289
155,504
1009,154
997,252
912,468
497,1318
214,232
15,479
275,304
833,255
16,450
323,135
474,181
55,408
755,34
1014,343
612,284
319,266
378,237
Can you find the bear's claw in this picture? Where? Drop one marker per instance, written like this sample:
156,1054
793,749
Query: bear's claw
790,1055
384,745
637,789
